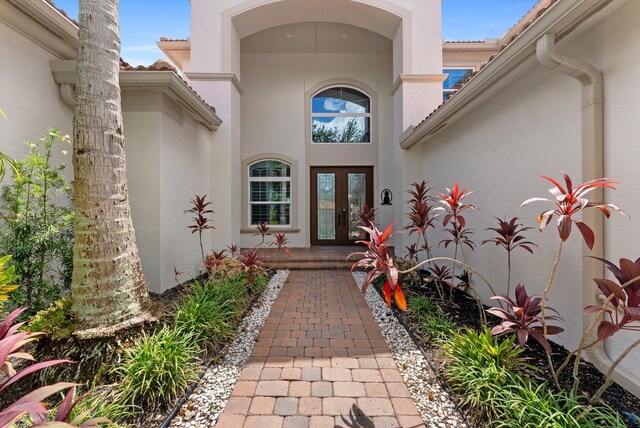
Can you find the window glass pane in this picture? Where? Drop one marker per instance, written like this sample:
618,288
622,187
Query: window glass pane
270,168
340,129
457,77
270,191
273,214
341,100
357,186
326,206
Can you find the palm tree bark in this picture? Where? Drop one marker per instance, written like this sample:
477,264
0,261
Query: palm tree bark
108,288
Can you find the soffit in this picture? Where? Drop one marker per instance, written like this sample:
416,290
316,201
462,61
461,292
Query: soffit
316,37
294,11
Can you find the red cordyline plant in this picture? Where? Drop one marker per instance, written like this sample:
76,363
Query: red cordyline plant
233,249
280,242
413,252
452,209
263,230
377,258
214,260
252,264
523,317
509,236
570,200
366,216
11,342
623,297
440,274
201,218
420,213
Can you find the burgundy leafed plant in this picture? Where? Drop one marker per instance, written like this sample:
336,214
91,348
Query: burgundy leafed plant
380,262
233,250
412,252
263,230
459,236
176,274
201,218
420,213
465,280
509,236
63,415
625,300
440,274
366,216
452,209
281,241
214,260
569,201
523,317
252,264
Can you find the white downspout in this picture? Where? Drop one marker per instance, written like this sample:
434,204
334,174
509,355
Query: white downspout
592,167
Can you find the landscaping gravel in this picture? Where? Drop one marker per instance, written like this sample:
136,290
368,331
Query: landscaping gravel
436,407
205,404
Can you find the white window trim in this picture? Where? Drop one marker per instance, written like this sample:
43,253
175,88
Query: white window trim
312,115
272,180
245,227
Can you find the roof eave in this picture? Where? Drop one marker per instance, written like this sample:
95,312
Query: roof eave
167,82
561,18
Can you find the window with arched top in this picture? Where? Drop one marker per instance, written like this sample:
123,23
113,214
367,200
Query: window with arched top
270,193
341,114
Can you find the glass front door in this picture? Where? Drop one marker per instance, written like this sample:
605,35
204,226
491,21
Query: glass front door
338,194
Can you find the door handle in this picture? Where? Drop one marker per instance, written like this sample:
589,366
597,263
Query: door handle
344,216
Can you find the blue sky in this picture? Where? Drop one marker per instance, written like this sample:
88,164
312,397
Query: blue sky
143,22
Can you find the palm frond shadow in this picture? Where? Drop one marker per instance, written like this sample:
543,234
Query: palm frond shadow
357,419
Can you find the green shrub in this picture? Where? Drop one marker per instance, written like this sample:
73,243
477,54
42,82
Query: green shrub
157,368
55,320
520,403
420,306
37,229
209,312
438,327
7,278
472,349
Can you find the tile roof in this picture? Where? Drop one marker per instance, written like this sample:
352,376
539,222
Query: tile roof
62,12
464,41
159,65
522,26
169,39
162,65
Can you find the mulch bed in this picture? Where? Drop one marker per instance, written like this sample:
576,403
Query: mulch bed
463,309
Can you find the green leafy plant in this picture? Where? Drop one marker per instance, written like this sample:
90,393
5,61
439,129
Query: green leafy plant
157,368
38,224
209,311
56,320
519,403
438,327
7,277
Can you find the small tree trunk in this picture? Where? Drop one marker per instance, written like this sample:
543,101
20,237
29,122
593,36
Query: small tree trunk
108,287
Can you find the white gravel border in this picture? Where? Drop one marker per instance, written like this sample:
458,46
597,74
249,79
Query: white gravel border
434,404
204,405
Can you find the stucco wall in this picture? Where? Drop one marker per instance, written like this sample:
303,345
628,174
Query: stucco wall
274,118
530,127
168,163
28,95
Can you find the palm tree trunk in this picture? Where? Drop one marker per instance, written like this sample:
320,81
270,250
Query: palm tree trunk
108,287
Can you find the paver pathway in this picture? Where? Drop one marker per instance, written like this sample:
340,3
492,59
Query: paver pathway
320,361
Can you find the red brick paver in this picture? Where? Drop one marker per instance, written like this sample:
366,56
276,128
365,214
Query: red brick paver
320,361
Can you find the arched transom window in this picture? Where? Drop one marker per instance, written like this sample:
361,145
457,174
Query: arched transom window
270,193
341,115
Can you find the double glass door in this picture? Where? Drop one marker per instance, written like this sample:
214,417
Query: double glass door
338,194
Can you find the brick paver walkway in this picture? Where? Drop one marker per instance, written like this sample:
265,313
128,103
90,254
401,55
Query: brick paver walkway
320,358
